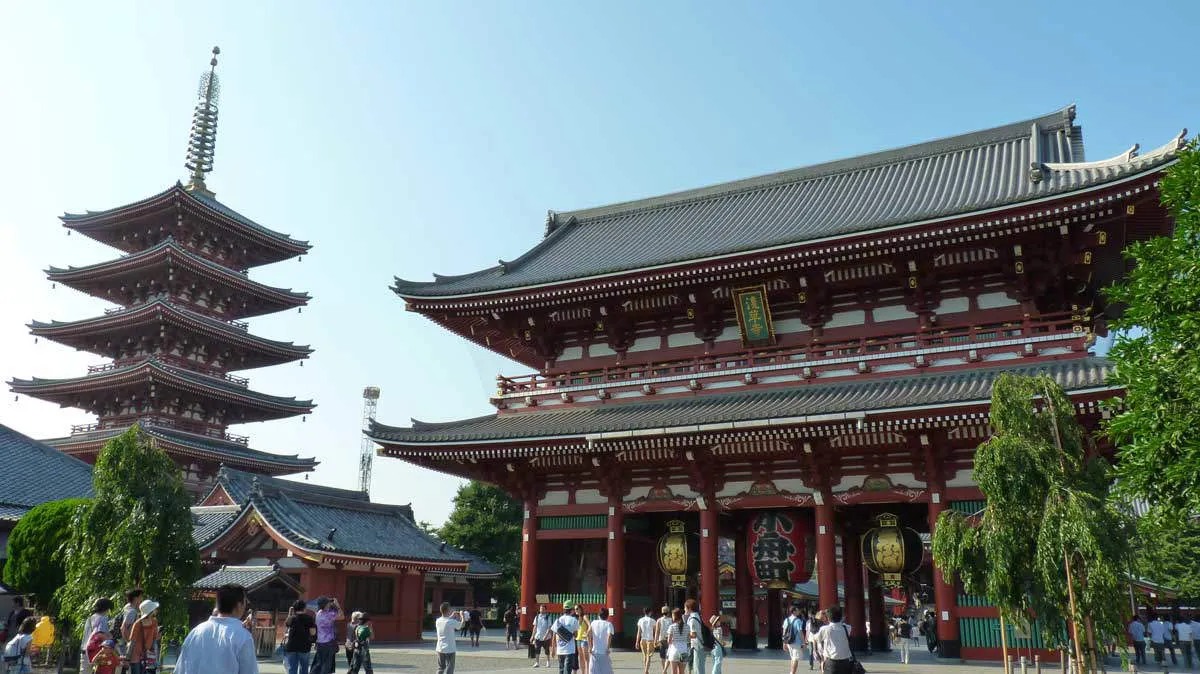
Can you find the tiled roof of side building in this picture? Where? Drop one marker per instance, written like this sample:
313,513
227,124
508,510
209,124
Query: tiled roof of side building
338,521
249,577
817,398
35,473
1003,166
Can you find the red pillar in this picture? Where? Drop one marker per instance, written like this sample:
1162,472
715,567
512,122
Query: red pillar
879,631
943,597
852,574
710,595
615,588
529,568
744,637
827,575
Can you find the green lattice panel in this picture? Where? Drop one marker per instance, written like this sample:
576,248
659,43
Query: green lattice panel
972,600
967,507
560,522
985,633
578,598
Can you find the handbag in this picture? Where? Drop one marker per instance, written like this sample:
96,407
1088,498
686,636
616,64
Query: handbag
855,666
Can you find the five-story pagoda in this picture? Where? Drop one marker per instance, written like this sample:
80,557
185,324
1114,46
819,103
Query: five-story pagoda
183,293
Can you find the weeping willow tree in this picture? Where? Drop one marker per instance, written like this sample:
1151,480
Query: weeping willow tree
1048,544
137,532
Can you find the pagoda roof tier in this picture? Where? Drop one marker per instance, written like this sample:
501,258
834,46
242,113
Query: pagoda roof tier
145,223
137,380
199,447
146,320
974,173
811,403
167,265
330,524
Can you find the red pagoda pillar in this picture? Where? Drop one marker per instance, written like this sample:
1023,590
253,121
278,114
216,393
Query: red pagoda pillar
710,594
852,575
615,588
529,569
744,637
943,596
827,575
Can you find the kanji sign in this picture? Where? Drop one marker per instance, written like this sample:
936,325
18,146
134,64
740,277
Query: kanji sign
754,316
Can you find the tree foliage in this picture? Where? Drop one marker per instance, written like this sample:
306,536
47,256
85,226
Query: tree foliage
1045,505
486,522
1157,361
138,533
35,561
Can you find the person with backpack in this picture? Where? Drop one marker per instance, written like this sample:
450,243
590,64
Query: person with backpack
564,630
18,652
301,635
793,638
834,641
362,645
96,623
700,634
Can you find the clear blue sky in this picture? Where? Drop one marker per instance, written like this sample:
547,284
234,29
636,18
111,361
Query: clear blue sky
409,138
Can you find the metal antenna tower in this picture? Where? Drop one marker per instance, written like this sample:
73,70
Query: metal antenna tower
370,403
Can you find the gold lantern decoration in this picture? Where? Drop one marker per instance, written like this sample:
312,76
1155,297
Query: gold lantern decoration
892,551
677,553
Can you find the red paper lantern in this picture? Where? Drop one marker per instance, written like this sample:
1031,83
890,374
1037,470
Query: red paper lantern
779,545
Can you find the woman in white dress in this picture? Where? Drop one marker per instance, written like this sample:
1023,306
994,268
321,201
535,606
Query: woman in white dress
677,638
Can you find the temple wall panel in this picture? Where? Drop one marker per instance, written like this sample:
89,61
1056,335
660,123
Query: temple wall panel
571,353
995,300
734,488
891,313
600,351
961,478
789,326
729,334
953,305
555,498
845,319
589,497
685,339
650,343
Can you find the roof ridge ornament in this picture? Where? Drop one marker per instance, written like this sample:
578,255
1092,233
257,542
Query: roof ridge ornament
202,140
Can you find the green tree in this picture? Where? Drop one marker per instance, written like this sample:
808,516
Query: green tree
1156,356
138,533
35,563
486,522
1048,543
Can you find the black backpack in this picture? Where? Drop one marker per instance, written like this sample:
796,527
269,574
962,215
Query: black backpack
707,640
563,633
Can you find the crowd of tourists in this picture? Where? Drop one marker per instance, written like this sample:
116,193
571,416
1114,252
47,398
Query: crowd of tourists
1163,634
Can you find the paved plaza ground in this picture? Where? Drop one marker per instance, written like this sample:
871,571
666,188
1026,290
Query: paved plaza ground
491,657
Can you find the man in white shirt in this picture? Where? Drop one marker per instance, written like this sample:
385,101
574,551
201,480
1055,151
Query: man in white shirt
447,628
564,644
1183,634
541,636
834,642
600,634
661,627
645,639
1137,634
221,643
1159,632
793,638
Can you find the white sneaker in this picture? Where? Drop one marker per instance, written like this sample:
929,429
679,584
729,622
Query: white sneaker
535,665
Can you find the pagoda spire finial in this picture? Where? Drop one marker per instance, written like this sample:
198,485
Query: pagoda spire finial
202,140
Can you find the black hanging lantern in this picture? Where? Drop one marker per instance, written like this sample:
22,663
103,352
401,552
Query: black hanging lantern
892,551
678,553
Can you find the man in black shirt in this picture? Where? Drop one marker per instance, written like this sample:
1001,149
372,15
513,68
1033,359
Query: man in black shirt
15,617
475,625
511,622
301,635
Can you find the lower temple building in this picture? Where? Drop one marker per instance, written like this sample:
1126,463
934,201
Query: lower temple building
787,377
297,539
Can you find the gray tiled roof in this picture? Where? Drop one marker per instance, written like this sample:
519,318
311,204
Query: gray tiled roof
35,473
249,577
339,521
818,397
951,176
209,521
